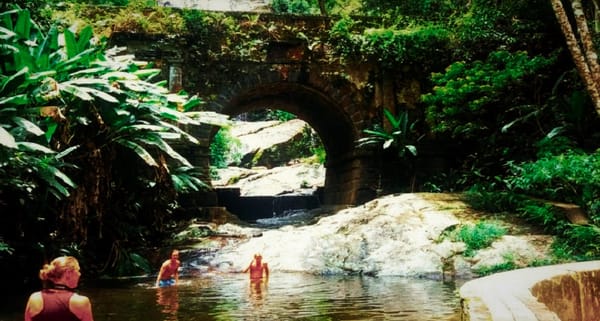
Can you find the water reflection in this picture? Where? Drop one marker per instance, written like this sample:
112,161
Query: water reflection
257,291
286,296
168,299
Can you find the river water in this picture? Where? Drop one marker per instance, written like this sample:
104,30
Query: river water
286,296
206,295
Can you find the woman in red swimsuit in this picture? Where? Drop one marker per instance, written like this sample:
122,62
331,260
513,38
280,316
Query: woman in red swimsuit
59,302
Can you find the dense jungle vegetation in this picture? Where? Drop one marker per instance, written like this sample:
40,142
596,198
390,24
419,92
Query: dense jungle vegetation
87,134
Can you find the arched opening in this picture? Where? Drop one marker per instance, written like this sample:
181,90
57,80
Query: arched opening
334,128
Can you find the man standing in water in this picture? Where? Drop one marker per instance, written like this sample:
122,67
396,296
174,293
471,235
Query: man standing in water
169,271
258,268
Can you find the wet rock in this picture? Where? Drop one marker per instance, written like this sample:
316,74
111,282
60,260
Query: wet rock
298,178
393,235
268,143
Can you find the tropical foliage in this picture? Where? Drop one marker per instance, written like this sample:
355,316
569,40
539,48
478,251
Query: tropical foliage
87,138
468,100
224,149
397,137
85,131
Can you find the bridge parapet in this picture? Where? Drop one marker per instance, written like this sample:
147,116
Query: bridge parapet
255,61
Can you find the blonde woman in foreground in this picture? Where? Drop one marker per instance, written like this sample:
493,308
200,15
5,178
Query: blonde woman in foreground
58,300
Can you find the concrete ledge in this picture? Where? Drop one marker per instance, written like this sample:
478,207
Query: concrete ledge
507,296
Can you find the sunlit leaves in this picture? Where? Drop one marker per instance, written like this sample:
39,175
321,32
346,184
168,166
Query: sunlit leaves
427,45
398,136
28,126
139,150
466,92
45,75
186,179
6,139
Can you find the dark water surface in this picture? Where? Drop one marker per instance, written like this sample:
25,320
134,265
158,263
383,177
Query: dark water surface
286,296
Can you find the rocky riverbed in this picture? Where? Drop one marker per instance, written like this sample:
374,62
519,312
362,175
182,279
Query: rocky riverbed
402,235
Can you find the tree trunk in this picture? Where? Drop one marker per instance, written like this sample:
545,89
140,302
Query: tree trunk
585,58
322,7
596,15
586,40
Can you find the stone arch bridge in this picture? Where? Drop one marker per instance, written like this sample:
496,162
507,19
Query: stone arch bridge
286,70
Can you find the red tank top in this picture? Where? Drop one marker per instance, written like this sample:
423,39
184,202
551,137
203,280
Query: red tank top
56,307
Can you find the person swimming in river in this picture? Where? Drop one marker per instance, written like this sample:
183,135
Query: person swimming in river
258,268
169,271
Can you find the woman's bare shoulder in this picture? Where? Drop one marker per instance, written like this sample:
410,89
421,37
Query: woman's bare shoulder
79,300
35,304
81,306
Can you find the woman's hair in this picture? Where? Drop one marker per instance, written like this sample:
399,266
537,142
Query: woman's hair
57,268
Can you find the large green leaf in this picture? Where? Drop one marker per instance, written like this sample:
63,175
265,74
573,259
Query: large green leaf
22,58
95,71
76,61
6,34
7,19
157,141
49,43
76,91
144,87
15,100
142,127
100,94
28,126
85,35
376,133
49,173
185,179
180,131
6,139
57,173
192,103
118,75
210,118
139,150
34,147
146,73
23,26
70,44
391,118
87,82
52,126
66,152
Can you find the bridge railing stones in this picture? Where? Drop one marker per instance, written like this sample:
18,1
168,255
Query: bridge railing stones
338,98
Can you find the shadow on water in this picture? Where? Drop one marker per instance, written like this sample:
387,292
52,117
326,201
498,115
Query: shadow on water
206,295
285,296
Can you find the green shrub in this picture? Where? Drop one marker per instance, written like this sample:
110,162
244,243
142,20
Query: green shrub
487,199
466,98
478,236
572,177
543,214
425,45
507,265
295,6
223,149
308,145
584,240
276,114
320,153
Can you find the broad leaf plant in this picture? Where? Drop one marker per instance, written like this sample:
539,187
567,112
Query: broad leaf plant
71,111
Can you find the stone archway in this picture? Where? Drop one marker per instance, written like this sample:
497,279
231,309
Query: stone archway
329,118
339,98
